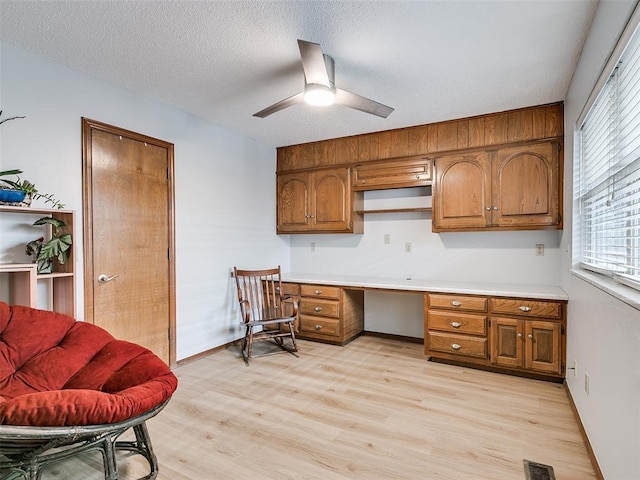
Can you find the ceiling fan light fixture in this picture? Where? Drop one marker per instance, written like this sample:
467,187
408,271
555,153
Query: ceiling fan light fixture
319,95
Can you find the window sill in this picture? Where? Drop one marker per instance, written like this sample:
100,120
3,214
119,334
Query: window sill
623,293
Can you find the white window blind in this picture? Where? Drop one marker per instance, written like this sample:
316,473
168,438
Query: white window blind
609,173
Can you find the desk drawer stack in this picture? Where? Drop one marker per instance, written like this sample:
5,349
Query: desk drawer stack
505,334
330,314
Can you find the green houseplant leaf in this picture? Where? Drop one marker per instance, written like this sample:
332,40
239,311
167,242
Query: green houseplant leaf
59,245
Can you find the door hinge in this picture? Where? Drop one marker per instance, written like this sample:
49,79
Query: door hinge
562,329
559,218
168,174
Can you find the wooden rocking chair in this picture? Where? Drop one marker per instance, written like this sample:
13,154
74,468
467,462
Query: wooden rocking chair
266,313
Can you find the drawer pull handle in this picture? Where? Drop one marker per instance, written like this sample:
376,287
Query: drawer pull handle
525,308
318,292
456,303
456,324
318,309
455,346
318,327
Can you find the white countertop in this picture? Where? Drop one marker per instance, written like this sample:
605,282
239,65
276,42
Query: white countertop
546,292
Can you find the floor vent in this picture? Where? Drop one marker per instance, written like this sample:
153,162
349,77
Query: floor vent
538,471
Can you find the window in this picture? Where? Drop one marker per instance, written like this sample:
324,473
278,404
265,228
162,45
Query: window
608,172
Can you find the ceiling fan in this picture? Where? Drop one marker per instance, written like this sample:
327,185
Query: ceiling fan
320,88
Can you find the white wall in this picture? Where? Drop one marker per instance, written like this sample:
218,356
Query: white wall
603,333
224,195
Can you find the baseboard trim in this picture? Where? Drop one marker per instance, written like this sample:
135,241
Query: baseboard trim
583,432
394,337
206,353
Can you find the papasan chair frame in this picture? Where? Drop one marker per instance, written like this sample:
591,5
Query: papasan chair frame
28,451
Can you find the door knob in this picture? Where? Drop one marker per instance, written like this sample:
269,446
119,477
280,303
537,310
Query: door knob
102,278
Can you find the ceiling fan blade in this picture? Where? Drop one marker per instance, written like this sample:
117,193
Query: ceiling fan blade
315,70
281,105
363,104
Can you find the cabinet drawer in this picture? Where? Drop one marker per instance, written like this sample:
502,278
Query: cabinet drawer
290,289
317,325
530,308
409,172
458,302
320,291
319,306
457,322
458,344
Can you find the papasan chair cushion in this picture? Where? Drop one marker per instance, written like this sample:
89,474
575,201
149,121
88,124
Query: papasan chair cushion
59,372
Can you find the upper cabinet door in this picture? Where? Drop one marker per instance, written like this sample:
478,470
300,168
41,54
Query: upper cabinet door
292,202
462,192
331,200
526,186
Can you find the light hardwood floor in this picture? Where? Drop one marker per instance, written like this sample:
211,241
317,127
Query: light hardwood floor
374,409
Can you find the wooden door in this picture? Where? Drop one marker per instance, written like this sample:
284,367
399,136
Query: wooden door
542,346
331,200
526,186
129,237
507,342
462,192
293,202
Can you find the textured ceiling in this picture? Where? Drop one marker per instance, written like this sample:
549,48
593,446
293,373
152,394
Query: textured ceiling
225,60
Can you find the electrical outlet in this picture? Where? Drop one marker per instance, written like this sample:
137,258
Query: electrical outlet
387,239
407,247
540,249
586,383
313,246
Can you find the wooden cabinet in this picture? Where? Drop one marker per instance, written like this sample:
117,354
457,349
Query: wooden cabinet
530,337
456,327
399,173
317,201
516,187
330,314
22,278
516,335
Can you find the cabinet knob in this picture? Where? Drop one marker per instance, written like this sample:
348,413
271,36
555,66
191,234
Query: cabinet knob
456,324
318,327
530,336
318,292
456,303
455,346
488,209
418,177
495,208
519,335
364,181
318,309
524,308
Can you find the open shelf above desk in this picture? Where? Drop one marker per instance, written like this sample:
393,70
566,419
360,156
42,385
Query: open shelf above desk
396,210
399,200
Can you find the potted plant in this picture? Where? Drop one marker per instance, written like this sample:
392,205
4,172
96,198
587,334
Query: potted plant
23,191
58,246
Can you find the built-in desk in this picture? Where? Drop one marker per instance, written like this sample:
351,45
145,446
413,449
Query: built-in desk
503,327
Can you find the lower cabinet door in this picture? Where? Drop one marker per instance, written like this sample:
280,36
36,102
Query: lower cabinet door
542,346
506,342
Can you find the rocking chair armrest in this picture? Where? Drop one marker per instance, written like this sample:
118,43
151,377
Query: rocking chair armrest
245,310
293,300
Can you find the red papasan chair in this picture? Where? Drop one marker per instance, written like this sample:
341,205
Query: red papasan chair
67,387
